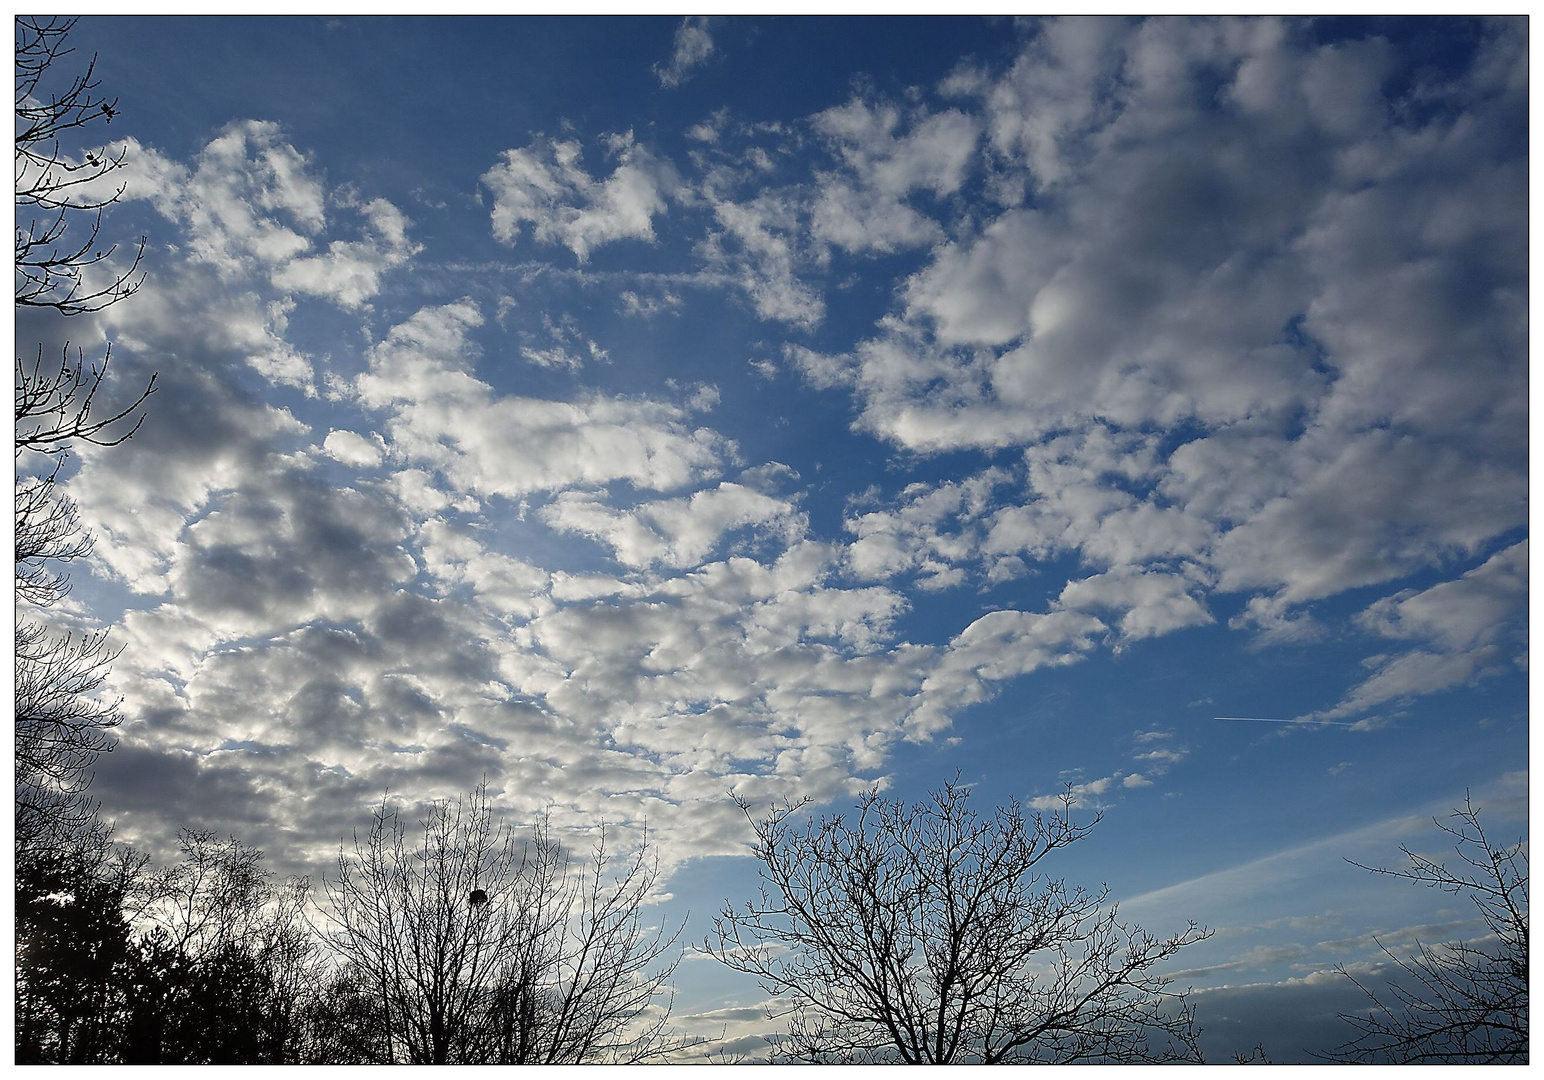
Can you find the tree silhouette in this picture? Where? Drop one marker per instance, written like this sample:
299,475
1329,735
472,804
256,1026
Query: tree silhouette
73,949
928,934
1465,1001
61,194
223,959
473,947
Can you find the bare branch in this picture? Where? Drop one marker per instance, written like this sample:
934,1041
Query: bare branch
55,190
927,934
1462,1002
475,948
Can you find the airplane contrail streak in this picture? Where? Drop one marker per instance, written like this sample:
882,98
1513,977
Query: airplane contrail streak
1274,720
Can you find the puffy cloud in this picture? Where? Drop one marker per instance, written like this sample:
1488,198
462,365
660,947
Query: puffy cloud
1086,793
1313,292
251,197
646,307
1151,603
565,336
914,536
760,246
443,417
693,46
252,205
353,449
544,185
1413,674
204,439
676,532
1050,96
349,272
1375,507
862,207
979,292
999,645
1473,609
1236,324
775,241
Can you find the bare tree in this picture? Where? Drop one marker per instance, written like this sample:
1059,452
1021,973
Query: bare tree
476,947
1465,1001
927,934
59,190
62,722
54,401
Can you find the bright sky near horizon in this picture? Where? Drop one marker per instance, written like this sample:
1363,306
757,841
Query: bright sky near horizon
633,410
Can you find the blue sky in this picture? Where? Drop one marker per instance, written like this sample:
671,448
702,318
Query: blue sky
632,410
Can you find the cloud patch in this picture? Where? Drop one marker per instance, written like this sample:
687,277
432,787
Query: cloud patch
692,46
544,186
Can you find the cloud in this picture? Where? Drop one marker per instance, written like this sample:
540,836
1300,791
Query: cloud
759,245
693,46
544,185
252,205
999,645
1474,609
676,532
1275,275
1190,294
442,417
1086,794
915,535
646,307
1473,625
349,272
565,336
1151,603
204,439
353,449
862,207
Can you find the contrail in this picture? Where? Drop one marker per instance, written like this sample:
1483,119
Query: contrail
1274,720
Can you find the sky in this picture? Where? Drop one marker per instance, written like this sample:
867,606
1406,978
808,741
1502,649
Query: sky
632,411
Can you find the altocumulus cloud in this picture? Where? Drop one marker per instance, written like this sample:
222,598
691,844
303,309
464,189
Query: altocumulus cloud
1216,313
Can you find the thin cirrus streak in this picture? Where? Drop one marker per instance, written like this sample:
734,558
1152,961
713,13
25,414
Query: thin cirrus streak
1274,720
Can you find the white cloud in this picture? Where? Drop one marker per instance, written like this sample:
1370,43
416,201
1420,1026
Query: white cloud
1472,626
1278,272
1150,603
675,532
916,535
999,645
693,46
545,185
442,417
254,208
646,307
349,272
569,349
760,246
139,497
1086,794
353,449
1209,353
1470,610
251,198
863,207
